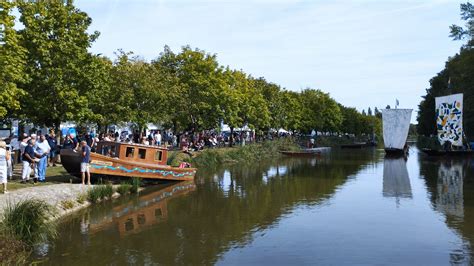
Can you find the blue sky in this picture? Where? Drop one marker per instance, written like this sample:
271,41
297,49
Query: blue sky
364,53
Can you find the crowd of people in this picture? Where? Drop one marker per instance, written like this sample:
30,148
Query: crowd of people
37,152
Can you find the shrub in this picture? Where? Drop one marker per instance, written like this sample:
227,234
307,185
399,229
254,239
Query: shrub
29,221
124,188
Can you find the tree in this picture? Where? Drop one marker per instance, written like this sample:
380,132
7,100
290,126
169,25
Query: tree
200,85
458,69
56,36
320,111
369,112
460,33
12,63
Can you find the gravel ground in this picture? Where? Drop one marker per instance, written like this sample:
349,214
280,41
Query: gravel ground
52,194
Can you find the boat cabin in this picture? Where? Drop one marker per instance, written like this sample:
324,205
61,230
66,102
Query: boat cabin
134,152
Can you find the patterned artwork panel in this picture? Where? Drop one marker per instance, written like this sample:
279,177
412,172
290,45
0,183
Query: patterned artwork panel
449,119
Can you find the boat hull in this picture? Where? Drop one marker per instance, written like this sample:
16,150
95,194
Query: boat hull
354,146
390,152
300,153
431,152
108,166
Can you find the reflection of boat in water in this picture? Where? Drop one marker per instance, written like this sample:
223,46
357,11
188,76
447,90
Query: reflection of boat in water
449,188
152,209
128,160
453,153
396,182
396,124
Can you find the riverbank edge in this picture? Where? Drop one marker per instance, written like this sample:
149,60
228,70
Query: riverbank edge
77,197
212,158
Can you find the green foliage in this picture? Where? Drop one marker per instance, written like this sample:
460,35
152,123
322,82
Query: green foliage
320,111
81,198
58,63
136,183
248,153
460,33
124,188
188,90
29,221
12,62
458,70
100,192
67,204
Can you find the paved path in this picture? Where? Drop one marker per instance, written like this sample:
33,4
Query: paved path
52,194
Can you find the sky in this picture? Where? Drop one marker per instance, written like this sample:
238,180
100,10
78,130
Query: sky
364,53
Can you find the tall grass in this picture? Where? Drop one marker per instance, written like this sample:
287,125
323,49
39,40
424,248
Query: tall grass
249,153
29,221
136,183
100,192
124,188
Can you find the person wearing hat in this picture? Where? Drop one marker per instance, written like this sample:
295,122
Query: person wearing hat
4,157
29,159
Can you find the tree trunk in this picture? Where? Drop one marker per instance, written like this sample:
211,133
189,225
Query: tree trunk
231,137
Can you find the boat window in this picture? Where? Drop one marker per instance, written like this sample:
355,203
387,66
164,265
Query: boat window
129,224
130,151
158,213
141,153
158,155
141,219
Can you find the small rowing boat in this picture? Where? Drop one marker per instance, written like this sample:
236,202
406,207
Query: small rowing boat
306,152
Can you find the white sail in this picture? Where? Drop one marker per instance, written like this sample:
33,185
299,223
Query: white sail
449,119
396,124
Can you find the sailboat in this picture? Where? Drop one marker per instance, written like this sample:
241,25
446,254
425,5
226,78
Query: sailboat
449,124
396,124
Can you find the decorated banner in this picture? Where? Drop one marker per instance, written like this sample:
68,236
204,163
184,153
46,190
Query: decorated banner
449,119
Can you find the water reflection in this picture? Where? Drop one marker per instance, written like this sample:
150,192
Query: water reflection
447,179
131,218
396,182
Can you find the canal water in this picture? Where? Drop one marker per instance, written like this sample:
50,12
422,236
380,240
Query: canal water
344,207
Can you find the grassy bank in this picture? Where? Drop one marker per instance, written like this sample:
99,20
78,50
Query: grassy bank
24,225
248,153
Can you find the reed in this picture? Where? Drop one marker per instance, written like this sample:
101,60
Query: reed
29,221
124,188
136,183
99,192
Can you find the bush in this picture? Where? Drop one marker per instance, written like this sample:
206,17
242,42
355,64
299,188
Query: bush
124,188
29,221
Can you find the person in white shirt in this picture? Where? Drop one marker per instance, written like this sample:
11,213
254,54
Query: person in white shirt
42,150
158,138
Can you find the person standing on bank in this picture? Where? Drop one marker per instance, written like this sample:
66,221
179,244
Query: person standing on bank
43,152
28,160
4,157
86,155
53,144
